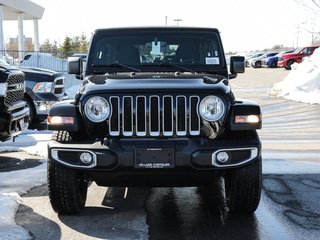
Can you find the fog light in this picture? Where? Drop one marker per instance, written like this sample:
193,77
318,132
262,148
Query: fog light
86,158
222,157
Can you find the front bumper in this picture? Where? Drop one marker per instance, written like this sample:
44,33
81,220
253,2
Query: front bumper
118,159
282,63
12,124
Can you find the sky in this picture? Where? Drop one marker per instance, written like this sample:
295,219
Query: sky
244,25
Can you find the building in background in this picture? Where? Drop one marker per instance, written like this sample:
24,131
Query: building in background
20,10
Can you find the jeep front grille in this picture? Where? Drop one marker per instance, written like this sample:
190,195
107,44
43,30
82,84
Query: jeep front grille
154,116
16,88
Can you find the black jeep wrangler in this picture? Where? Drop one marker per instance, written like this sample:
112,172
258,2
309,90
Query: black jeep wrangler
155,109
14,113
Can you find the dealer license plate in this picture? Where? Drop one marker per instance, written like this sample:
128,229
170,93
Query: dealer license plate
154,158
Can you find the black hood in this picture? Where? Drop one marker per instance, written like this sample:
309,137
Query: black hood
158,83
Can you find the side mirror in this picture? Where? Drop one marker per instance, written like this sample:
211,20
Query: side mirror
75,66
237,65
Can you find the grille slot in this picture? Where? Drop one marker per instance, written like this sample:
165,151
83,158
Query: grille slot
16,89
114,125
167,116
154,116
141,116
194,121
127,116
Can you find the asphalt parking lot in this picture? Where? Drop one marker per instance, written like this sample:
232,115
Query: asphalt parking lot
289,207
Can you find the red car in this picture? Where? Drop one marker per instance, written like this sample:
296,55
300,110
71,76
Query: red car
286,60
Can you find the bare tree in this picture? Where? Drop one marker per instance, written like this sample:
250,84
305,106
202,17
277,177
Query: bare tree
311,25
310,5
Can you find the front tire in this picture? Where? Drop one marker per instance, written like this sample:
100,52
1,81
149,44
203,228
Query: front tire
274,64
289,64
67,187
243,188
257,64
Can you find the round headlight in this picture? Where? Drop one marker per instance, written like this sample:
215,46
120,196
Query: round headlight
211,108
97,109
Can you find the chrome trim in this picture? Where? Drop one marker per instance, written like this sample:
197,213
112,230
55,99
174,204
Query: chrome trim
167,133
152,133
114,133
181,133
141,133
54,155
127,133
194,133
254,154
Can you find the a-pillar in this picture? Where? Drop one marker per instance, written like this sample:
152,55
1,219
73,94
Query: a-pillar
1,31
20,36
36,34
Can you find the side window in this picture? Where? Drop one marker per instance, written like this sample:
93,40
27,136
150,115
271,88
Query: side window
306,51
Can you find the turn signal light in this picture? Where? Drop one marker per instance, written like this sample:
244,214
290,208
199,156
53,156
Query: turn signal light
247,119
56,120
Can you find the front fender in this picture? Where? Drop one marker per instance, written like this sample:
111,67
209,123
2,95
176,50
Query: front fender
67,109
244,107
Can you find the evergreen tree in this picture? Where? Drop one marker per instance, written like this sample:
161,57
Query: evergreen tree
46,46
66,47
83,44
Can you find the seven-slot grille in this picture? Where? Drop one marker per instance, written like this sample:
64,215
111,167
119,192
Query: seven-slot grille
15,92
154,115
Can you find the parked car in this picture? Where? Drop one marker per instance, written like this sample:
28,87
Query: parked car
286,60
43,88
272,62
14,112
248,58
257,62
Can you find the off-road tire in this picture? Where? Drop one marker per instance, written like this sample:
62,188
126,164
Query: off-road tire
243,188
67,137
67,187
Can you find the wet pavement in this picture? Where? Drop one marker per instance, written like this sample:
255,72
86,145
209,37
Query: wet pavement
289,208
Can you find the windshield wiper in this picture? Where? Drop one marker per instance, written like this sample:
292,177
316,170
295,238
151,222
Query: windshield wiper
176,66
117,65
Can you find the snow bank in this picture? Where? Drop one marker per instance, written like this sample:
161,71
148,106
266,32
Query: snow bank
15,183
31,141
302,84
12,185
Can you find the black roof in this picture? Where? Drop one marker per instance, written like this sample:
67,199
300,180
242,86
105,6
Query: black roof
170,29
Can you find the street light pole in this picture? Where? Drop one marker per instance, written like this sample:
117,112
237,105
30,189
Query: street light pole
177,20
166,21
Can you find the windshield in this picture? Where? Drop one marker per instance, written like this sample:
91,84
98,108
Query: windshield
195,50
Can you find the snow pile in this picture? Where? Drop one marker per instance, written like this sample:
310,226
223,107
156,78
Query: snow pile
15,183
31,141
303,82
12,185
